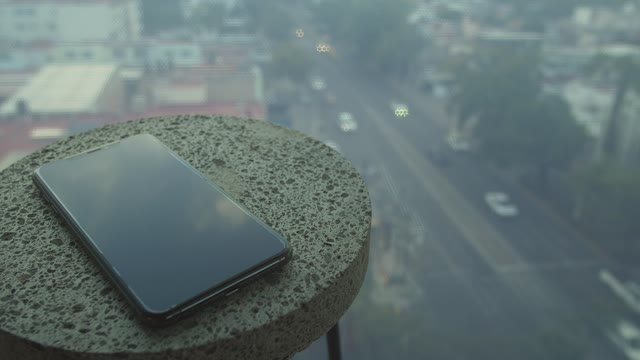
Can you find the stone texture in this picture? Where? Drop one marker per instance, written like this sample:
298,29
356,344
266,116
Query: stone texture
56,304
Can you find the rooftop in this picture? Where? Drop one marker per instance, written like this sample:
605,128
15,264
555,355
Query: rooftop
620,50
69,88
504,35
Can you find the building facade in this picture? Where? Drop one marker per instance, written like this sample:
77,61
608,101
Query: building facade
28,21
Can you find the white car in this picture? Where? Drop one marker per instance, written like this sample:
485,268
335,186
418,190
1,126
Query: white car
500,203
346,122
458,143
627,338
317,83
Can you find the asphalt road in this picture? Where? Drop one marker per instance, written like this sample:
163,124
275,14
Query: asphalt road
449,279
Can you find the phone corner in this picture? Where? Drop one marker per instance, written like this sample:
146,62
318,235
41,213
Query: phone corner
287,252
154,318
36,174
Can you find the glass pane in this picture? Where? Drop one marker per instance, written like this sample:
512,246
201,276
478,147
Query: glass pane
499,140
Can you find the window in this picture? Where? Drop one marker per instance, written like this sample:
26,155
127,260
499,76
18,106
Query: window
141,53
118,53
505,195
24,11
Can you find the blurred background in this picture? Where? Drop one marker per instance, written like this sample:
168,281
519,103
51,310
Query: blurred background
499,139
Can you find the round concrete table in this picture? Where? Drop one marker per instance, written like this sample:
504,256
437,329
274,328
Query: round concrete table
56,304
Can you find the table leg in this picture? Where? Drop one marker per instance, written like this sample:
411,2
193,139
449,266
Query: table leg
333,343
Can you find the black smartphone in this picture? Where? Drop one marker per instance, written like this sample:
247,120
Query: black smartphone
167,236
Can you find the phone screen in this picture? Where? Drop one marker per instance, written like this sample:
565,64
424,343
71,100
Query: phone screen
168,233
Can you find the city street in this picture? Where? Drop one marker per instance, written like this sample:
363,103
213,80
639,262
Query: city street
473,284
499,141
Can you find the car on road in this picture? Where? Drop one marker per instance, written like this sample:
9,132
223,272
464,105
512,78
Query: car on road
318,84
346,122
458,144
500,203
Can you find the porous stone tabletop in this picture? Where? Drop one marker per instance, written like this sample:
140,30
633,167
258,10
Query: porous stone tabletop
56,304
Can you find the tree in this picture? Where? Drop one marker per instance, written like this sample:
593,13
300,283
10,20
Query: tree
276,24
535,14
625,70
209,15
546,136
376,31
495,84
516,122
159,15
611,202
291,61
272,20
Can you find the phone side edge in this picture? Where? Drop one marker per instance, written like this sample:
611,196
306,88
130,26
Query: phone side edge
162,319
86,242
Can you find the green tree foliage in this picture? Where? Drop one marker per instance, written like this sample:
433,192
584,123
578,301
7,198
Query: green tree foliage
536,13
271,19
276,24
290,61
625,72
610,196
209,15
516,122
376,32
494,84
159,15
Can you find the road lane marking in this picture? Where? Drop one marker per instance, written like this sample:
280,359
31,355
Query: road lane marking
628,293
533,291
430,105
490,245
391,186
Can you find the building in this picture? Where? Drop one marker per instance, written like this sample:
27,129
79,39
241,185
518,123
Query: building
209,89
590,105
161,51
19,139
27,21
70,90
562,63
12,81
506,39
629,135
608,24
58,101
25,58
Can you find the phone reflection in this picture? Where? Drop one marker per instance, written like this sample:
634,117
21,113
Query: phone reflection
207,213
